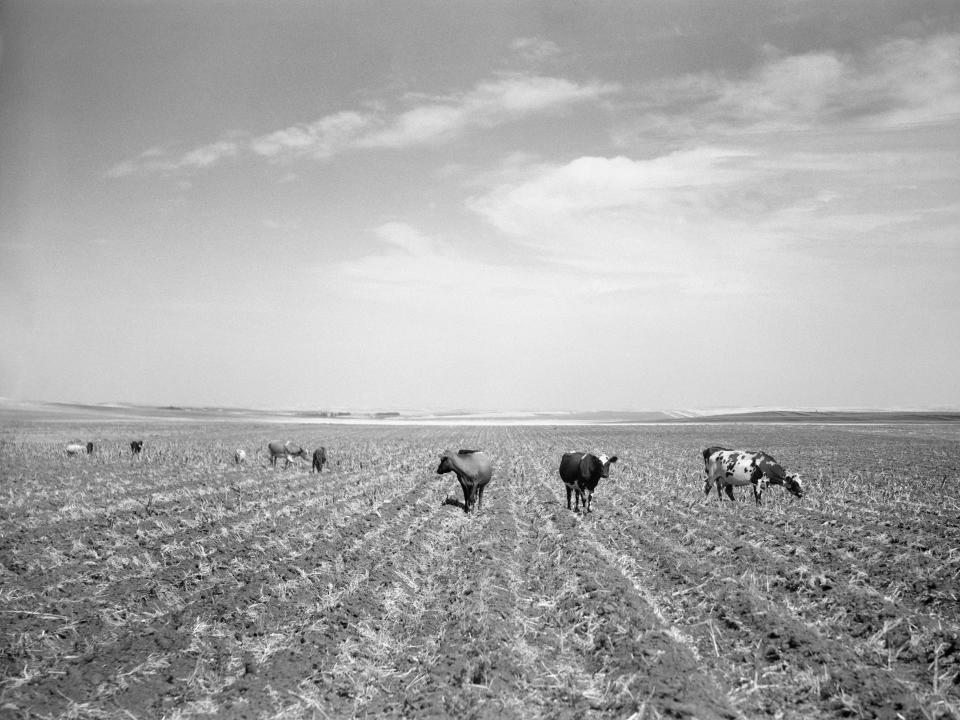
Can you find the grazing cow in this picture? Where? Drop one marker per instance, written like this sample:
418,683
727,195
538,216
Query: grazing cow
136,446
319,458
240,456
78,449
473,471
581,472
288,450
726,468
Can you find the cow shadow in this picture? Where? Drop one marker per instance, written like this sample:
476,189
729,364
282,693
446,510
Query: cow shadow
453,501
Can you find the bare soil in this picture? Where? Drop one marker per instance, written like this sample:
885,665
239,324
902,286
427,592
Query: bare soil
178,584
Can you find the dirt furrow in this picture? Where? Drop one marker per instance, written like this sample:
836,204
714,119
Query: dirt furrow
783,661
97,636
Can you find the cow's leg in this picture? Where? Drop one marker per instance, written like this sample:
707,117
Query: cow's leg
588,502
757,492
467,495
480,497
569,490
729,489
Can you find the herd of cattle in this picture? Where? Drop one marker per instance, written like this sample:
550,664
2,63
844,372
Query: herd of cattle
580,472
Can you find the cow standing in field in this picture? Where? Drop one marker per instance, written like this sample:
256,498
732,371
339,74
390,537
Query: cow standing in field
136,446
319,458
727,468
288,450
581,472
473,470
240,456
78,449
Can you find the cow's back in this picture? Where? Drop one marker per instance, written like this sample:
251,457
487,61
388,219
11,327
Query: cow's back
570,467
476,466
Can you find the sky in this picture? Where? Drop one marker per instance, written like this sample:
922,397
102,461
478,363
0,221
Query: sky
447,205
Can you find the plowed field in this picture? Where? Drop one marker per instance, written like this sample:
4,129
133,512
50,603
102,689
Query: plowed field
179,585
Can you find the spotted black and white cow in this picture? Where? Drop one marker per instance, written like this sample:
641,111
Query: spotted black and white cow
581,472
136,446
727,468
240,456
288,450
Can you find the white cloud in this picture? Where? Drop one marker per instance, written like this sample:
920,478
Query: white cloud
320,139
154,160
535,49
899,83
588,187
431,119
487,105
406,238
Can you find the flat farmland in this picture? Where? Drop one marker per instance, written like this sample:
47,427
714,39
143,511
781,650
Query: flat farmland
178,584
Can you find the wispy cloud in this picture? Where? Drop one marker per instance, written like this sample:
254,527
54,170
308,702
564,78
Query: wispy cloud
407,238
898,83
157,160
426,120
535,50
321,139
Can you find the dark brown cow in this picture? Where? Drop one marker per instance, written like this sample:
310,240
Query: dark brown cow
319,458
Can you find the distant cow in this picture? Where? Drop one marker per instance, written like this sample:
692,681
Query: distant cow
726,468
473,471
288,450
580,473
240,456
136,446
319,458
78,449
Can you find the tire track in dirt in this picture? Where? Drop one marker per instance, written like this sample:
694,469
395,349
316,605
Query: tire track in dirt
649,655
499,645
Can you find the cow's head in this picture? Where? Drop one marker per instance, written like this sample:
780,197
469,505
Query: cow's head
794,484
605,463
445,465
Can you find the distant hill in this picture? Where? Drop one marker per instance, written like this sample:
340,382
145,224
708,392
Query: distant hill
14,410
829,416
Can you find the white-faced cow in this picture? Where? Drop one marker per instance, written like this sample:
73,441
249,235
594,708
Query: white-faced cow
288,450
580,473
727,468
136,446
78,449
240,456
473,469
319,458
